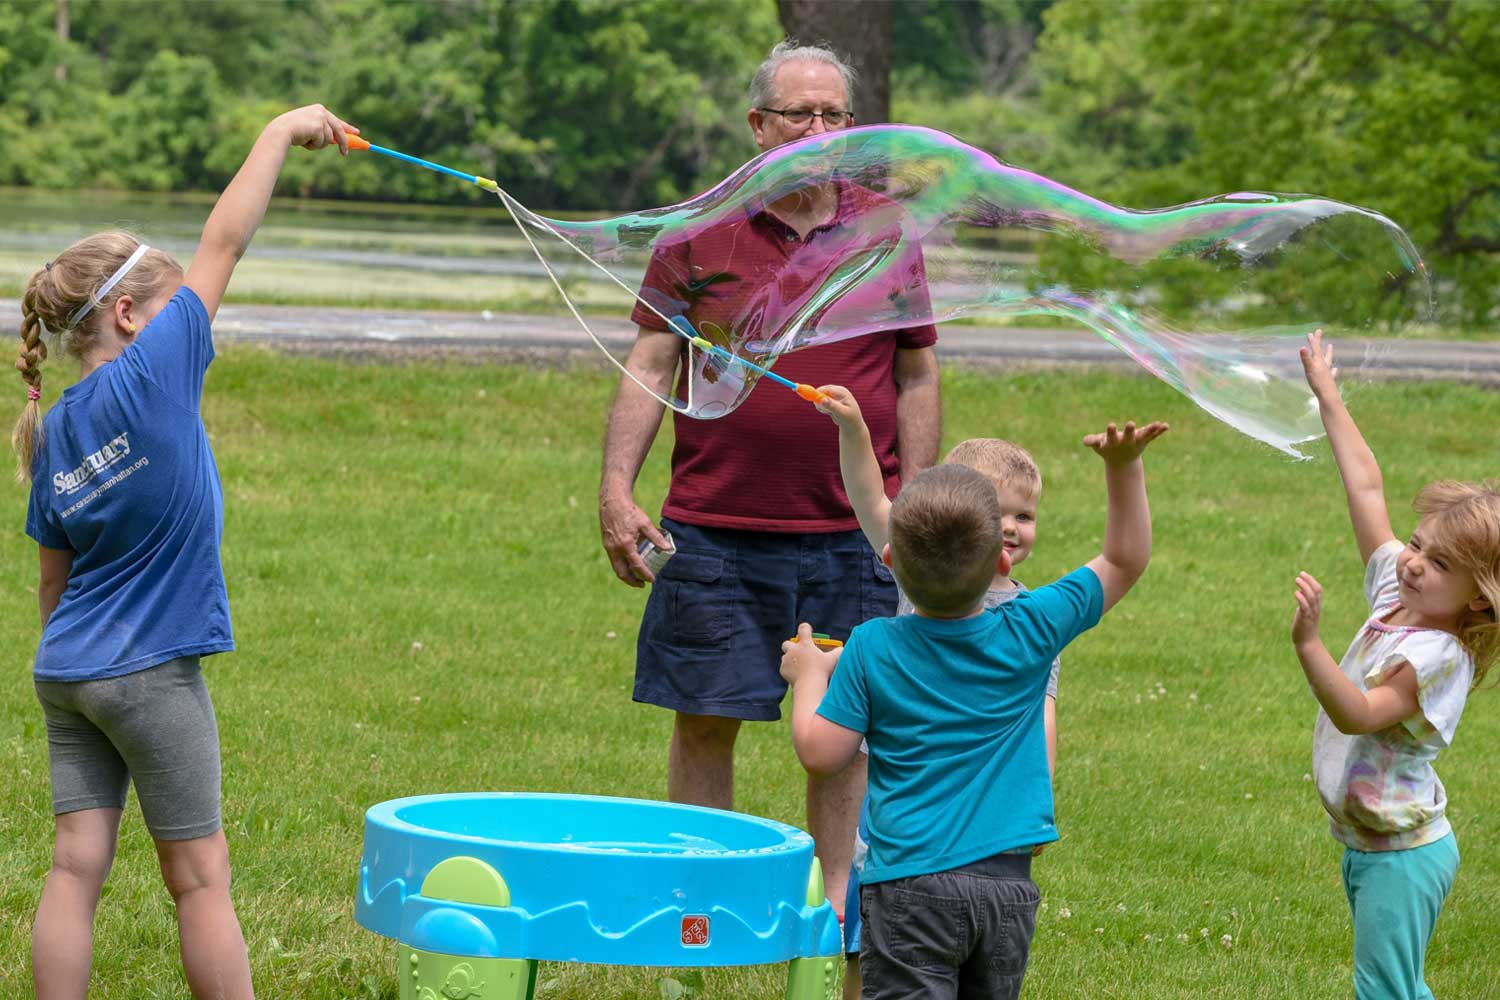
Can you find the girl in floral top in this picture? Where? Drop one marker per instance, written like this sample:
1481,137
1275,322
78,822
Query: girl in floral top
1394,701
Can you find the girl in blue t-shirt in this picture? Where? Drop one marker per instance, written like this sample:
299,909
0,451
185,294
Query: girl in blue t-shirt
127,512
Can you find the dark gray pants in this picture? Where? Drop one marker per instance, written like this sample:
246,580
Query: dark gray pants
962,933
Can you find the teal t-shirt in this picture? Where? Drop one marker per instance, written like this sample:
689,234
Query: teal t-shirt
952,711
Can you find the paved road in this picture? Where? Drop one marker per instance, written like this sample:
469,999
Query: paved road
377,332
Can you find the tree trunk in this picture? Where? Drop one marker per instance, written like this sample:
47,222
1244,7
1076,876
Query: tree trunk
860,31
64,28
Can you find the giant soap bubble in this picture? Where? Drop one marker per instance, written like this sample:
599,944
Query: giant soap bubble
1213,297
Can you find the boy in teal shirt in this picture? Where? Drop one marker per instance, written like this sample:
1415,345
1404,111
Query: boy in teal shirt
951,700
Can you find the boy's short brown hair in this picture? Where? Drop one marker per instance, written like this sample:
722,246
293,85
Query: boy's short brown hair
1003,462
946,537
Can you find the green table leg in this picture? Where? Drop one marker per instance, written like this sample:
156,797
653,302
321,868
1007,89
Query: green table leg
814,978
429,976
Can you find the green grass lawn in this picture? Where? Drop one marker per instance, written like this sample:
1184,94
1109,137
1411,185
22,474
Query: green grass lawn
421,605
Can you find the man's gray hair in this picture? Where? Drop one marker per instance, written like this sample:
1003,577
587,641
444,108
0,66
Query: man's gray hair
791,50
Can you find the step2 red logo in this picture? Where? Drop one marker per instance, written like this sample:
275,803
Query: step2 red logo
695,931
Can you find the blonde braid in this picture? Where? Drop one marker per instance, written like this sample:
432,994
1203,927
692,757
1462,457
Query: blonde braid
25,438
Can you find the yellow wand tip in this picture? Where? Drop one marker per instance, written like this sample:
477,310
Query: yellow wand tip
487,184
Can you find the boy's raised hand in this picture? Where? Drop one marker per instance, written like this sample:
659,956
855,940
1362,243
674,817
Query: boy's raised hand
314,126
841,405
801,657
1121,447
1317,364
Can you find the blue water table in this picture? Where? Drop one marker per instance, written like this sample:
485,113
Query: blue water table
477,888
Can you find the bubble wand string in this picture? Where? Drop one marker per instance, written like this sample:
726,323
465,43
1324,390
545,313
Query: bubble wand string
680,325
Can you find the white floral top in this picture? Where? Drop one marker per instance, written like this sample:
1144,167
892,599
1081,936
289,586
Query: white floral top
1379,788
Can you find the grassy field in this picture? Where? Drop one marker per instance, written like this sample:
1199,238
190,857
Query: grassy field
421,605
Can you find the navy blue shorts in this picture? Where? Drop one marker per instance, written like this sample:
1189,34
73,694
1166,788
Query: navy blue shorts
710,640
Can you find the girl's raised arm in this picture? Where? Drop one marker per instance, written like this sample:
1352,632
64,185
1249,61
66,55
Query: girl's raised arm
238,212
1363,485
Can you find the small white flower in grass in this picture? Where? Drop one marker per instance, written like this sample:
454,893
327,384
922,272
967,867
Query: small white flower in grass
1182,938
1227,942
1044,906
572,501
609,635
416,698
1193,696
1098,930
1152,697
1120,907
1234,914
1064,913
1249,796
1146,938
480,394
1203,767
1307,777
1203,932
416,647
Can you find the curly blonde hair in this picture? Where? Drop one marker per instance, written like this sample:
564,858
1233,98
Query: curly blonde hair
53,297
1466,517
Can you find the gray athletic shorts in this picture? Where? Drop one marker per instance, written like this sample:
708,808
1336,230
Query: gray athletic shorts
154,727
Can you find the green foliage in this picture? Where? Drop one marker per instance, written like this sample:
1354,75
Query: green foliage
1150,103
574,104
1168,101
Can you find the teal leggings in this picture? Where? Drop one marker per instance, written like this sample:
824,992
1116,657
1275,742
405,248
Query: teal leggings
1395,897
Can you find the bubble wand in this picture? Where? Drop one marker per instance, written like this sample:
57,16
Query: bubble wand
355,142
679,325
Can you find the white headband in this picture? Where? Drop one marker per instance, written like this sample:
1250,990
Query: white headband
108,286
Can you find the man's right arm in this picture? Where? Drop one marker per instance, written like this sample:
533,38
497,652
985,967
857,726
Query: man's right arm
633,422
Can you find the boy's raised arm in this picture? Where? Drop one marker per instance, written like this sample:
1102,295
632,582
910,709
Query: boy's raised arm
1363,486
860,468
1127,521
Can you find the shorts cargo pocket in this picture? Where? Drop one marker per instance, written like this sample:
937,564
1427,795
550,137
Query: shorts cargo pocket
696,606
877,590
1014,925
928,930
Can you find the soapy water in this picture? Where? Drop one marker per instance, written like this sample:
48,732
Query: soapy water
1214,297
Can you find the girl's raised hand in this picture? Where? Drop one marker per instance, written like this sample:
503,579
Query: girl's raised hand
1317,365
1309,609
314,126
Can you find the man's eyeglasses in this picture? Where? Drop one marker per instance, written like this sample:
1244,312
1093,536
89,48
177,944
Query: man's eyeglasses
802,118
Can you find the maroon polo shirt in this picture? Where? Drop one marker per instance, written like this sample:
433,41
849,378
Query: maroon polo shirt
772,464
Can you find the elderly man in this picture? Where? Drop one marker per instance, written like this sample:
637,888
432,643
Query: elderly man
764,534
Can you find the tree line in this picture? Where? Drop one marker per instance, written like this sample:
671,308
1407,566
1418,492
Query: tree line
598,105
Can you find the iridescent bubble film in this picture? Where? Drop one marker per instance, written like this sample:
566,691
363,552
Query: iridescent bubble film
1213,297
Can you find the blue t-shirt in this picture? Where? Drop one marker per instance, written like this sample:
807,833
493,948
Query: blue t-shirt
952,710
125,478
